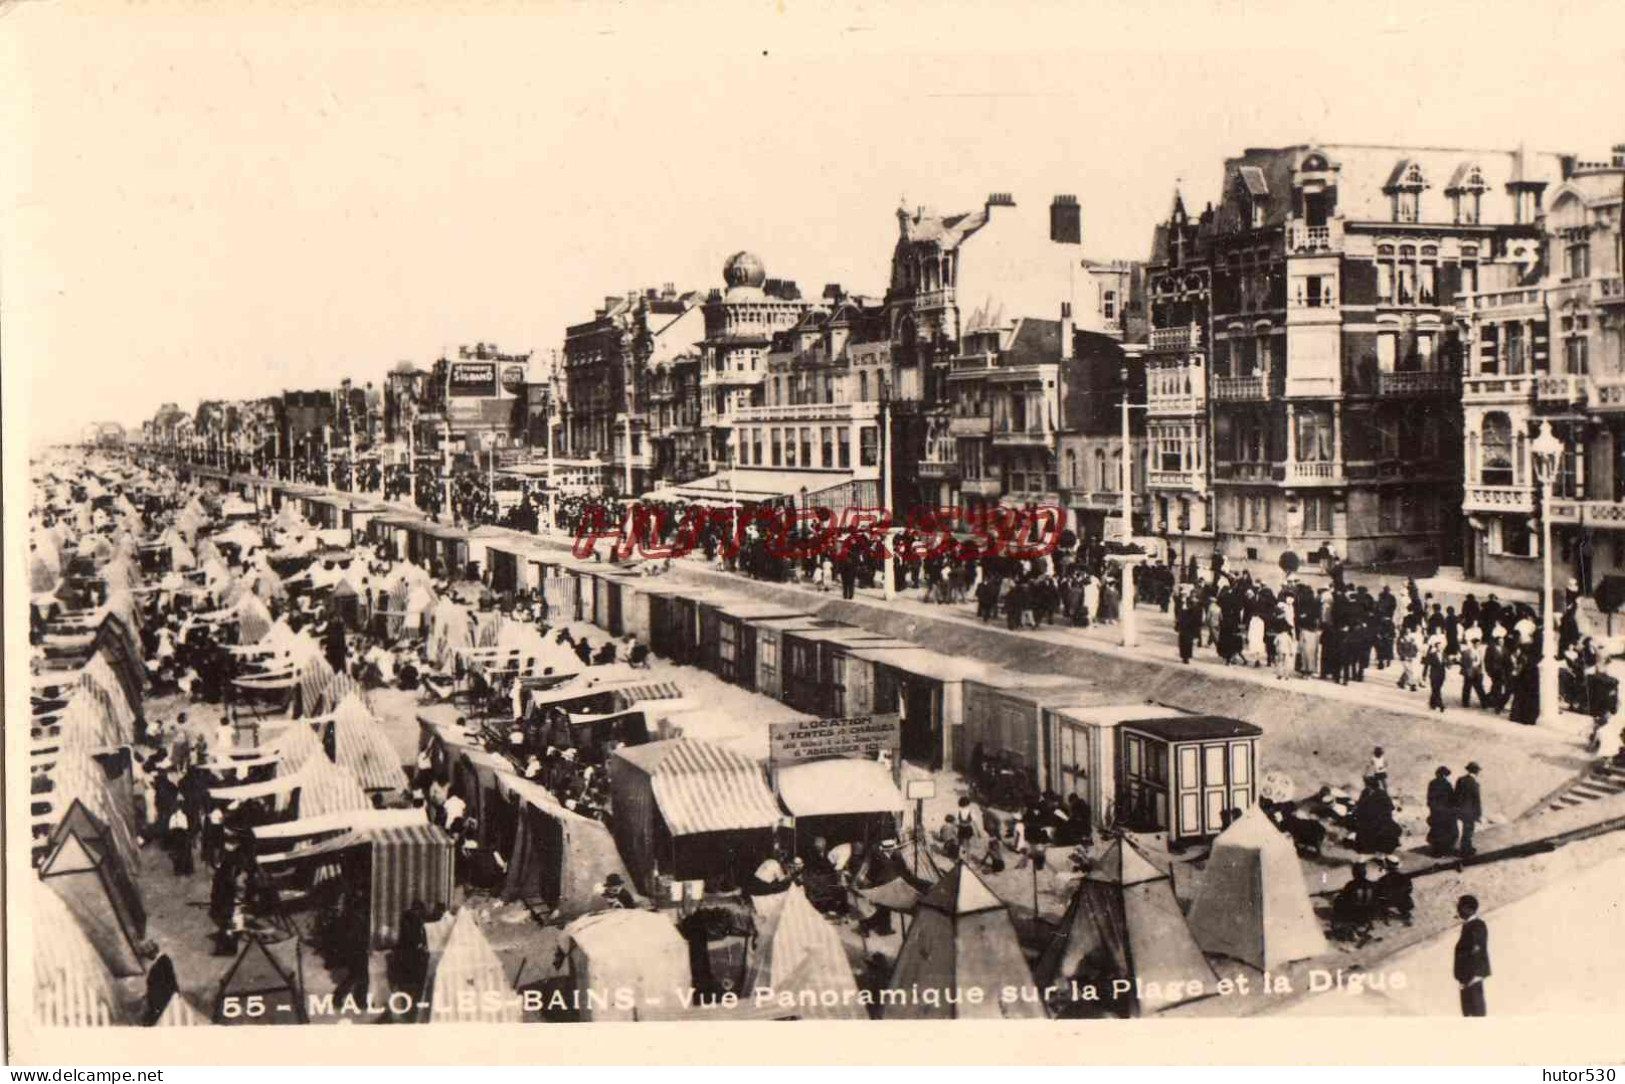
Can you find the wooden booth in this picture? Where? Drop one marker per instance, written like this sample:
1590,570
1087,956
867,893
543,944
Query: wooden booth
1181,773
818,676
674,617
1152,768
728,637
769,635
1005,722
927,690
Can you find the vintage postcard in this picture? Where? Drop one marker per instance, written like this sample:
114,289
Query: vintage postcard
1107,521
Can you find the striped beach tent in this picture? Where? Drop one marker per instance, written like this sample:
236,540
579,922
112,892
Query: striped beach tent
467,982
181,1013
801,959
360,747
72,987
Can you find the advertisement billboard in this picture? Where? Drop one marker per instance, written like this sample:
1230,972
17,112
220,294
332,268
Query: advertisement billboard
471,379
514,375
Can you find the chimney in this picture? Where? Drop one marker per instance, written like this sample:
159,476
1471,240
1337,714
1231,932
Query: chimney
668,291
1001,199
1065,221
1619,155
1066,331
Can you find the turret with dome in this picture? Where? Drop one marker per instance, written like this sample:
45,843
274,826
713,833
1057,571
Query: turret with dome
744,270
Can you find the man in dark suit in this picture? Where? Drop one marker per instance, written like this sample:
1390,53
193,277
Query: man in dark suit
1469,807
1472,957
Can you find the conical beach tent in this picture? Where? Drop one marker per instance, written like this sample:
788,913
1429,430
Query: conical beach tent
179,1013
1253,904
467,982
802,961
959,955
360,746
269,972
101,895
1124,924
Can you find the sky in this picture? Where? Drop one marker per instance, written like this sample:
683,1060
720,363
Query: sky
234,200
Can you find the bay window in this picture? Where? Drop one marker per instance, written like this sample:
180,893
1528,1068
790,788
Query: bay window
1315,437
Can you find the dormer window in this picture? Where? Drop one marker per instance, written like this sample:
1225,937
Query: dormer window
1406,192
1253,197
1466,194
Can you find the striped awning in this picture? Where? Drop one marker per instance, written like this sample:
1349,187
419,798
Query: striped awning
656,690
701,787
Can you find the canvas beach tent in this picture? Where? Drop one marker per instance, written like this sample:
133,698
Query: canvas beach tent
467,983
361,747
99,892
1253,904
1125,924
962,939
273,973
558,856
72,986
623,959
801,959
181,1013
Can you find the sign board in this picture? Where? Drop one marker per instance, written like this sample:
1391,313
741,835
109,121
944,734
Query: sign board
854,737
514,375
474,378
921,789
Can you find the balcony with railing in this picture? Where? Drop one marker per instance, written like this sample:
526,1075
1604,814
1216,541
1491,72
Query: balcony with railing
1495,388
1496,300
972,365
1483,498
938,469
1605,514
1606,393
809,412
1304,239
970,425
1322,472
1030,437
1608,290
934,299
980,487
1244,471
1182,480
1235,389
1422,382
1560,389
1176,340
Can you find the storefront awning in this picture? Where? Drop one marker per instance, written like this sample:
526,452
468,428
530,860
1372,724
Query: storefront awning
823,788
755,485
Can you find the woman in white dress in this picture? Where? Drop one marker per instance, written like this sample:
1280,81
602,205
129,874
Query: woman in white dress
1255,640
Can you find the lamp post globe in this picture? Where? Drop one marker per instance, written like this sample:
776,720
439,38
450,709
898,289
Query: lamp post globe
1544,453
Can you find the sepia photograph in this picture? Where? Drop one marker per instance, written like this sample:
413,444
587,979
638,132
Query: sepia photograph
1103,520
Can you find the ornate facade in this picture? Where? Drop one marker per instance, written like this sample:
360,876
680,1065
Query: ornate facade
1545,344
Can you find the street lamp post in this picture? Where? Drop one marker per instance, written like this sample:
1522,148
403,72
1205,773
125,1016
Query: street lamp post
1544,452
1129,618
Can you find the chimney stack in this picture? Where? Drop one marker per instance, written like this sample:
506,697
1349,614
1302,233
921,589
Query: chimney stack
1065,221
1619,155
